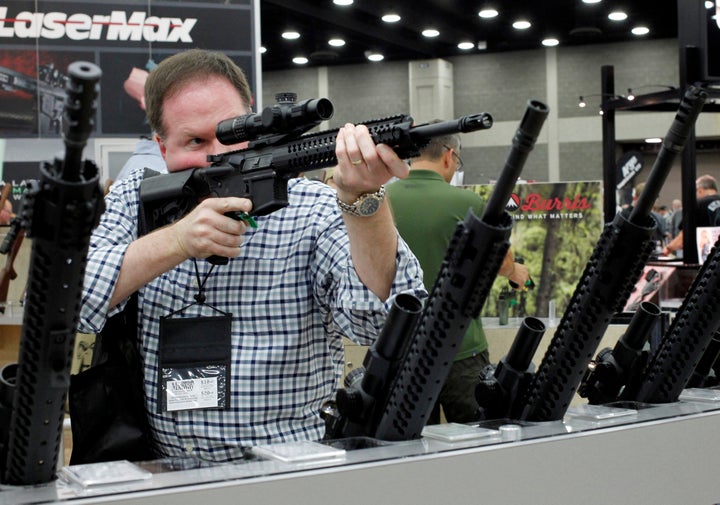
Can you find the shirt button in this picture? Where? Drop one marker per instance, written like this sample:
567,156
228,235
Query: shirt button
189,448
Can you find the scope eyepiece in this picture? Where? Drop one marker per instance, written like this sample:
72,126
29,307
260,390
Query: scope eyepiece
284,117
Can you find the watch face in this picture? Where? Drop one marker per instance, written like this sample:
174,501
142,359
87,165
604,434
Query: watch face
369,205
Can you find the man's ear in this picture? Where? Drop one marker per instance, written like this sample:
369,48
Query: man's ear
163,147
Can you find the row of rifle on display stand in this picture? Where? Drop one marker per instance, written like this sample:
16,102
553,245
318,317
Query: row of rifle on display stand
401,378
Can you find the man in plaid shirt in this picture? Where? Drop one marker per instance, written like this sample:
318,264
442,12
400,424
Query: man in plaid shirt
306,276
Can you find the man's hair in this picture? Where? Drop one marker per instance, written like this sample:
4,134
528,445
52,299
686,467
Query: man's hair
175,72
437,145
706,182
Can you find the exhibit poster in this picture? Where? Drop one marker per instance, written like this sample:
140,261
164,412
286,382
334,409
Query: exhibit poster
556,227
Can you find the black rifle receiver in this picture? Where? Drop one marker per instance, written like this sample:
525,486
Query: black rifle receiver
59,213
614,368
606,283
472,261
359,405
280,152
499,386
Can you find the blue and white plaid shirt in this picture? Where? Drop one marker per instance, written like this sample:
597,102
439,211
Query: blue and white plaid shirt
293,293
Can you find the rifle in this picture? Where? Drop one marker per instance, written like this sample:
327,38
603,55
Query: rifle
277,152
59,212
690,334
606,283
410,388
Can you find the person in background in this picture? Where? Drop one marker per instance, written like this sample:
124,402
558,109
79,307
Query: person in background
147,150
321,268
6,213
676,218
707,210
426,210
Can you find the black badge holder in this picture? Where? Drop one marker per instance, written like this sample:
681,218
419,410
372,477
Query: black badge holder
194,360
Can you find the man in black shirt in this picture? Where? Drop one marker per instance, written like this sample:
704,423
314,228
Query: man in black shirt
707,209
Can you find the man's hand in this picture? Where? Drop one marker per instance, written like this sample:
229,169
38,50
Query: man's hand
363,166
207,231
519,276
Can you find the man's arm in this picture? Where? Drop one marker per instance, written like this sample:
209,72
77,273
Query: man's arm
362,168
206,231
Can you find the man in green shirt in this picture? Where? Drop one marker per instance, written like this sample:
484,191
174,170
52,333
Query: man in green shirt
427,209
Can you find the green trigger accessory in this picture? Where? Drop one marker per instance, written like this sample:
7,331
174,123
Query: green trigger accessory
244,216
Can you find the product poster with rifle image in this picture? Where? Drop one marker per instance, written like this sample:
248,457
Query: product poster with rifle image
39,39
556,227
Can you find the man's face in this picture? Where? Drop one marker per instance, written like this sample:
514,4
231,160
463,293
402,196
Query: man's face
190,117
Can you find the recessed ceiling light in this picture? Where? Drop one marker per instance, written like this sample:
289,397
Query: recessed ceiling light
640,30
653,140
391,17
591,1
290,35
343,2
336,42
617,16
430,32
488,13
300,60
521,24
465,46
550,42
373,56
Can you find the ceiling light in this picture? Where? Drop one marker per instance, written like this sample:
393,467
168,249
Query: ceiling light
709,4
466,46
591,1
263,49
343,2
640,30
488,13
336,42
391,17
430,32
550,42
300,60
653,140
290,35
521,24
374,56
617,16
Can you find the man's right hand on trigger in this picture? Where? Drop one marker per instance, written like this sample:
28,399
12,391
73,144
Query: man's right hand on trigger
208,231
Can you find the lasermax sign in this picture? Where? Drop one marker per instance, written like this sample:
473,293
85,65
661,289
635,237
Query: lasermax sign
117,25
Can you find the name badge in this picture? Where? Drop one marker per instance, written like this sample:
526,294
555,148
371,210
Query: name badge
194,363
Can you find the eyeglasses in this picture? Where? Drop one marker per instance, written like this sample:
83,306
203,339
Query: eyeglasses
460,164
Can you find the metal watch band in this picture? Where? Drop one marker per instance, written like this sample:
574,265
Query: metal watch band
365,206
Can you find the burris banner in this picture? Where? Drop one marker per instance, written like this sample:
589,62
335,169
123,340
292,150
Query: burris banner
556,228
39,39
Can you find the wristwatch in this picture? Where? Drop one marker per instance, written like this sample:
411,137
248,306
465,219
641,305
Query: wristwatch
366,205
